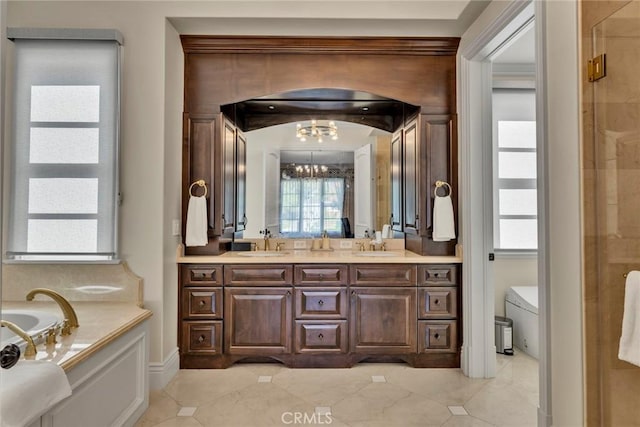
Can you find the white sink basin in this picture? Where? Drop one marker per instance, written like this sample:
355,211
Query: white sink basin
376,253
262,253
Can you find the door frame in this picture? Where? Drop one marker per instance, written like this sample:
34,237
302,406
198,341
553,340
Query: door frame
478,357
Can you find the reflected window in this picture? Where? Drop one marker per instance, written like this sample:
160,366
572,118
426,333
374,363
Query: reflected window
310,206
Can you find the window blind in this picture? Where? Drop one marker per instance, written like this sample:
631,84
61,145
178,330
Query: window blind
64,174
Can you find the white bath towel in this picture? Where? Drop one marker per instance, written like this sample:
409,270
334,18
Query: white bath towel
443,222
629,349
29,389
196,222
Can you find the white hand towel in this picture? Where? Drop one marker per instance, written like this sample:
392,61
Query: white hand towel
443,223
386,231
197,222
629,349
29,389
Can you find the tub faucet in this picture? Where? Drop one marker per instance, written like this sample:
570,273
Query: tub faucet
70,317
30,351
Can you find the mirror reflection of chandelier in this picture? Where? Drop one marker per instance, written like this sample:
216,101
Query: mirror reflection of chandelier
317,130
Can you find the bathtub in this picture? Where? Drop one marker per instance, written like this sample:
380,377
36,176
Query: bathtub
32,322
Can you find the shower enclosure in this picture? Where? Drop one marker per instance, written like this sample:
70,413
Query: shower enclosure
611,203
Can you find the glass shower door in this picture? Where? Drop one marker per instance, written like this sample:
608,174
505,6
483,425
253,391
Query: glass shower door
616,214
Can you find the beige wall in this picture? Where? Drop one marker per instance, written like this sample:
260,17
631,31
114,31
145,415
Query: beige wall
507,272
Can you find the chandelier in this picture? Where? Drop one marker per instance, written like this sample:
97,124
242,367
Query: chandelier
317,130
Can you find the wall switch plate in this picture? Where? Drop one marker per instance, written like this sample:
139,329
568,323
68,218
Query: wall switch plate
346,244
299,244
175,227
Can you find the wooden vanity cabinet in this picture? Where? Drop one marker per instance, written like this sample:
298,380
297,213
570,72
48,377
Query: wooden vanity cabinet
383,308
258,309
319,315
257,320
321,309
438,308
201,310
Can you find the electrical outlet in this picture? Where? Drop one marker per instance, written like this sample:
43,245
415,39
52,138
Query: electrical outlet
346,244
299,244
175,227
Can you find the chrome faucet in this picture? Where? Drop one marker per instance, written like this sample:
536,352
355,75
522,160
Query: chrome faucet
30,352
70,317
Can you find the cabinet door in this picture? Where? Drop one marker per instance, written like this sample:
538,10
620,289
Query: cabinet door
411,177
383,320
199,135
228,176
241,181
439,134
396,181
257,320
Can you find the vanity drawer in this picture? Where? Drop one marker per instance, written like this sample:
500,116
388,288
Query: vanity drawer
437,302
321,274
202,337
437,336
202,275
438,275
383,274
321,303
321,336
202,302
258,275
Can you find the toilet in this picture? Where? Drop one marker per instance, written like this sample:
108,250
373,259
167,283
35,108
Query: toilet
522,307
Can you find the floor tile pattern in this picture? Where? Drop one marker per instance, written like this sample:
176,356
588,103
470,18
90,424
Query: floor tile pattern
367,395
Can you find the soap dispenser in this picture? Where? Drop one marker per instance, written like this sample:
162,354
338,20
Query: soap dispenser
325,241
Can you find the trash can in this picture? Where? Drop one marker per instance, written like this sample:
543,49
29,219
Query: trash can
504,335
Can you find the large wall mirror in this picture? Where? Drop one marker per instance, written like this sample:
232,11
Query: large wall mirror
300,185
318,160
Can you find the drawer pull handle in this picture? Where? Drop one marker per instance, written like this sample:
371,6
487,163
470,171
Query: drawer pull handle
436,302
202,303
320,302
321,276
288,293
353,293
320,336
436,335
201,339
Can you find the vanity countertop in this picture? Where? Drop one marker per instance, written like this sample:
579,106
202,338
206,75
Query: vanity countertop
100,322
400,256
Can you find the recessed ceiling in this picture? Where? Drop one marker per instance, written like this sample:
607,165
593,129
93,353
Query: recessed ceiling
417,18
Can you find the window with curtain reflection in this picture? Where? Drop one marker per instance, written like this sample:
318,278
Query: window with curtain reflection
310,206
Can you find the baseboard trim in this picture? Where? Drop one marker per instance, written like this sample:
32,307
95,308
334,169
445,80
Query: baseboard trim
161,373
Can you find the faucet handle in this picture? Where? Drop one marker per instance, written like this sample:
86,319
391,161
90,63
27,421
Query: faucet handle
278,246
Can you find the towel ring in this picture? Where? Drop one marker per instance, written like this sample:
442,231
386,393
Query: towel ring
200,183
440,184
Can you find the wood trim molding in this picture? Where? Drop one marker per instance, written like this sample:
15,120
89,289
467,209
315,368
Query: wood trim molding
442,46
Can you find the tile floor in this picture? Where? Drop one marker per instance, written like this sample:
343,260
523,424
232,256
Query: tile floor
369,394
